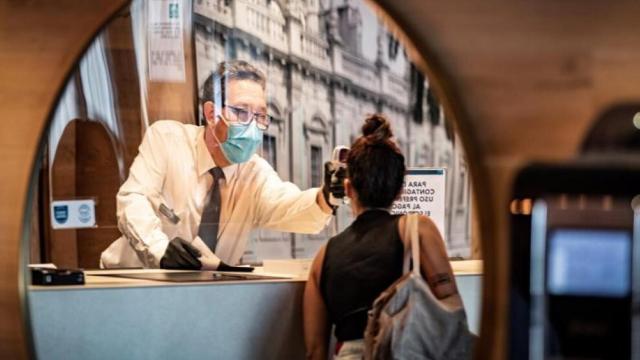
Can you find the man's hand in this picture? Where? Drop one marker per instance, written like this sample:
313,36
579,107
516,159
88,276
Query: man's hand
181,255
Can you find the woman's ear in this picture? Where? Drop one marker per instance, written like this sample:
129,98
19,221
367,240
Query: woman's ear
348,188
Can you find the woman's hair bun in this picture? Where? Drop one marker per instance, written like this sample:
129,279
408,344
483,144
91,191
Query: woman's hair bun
376,128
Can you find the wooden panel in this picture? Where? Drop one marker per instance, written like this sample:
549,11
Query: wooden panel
124,73
62,242
522,81
39,42
85,166
96,177
174,101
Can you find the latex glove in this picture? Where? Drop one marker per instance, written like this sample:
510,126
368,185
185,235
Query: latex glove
210,262
333,184
181,255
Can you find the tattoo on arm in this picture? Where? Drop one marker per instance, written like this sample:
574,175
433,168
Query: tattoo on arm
440,279
442,285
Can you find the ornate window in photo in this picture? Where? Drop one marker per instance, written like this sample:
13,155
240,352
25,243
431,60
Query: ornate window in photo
316,165
316,135
269,150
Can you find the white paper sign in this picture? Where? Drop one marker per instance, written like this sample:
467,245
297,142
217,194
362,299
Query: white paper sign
423,193
166,51
73,214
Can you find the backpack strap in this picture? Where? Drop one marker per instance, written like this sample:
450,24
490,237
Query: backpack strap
411,232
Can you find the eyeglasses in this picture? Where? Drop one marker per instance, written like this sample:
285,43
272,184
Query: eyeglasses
244,117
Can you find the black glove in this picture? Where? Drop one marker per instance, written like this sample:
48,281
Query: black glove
181,255
334,175
226,267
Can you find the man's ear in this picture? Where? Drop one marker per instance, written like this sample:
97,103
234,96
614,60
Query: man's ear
208,110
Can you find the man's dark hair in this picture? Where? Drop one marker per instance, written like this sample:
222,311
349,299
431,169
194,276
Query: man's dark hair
226,71
375,164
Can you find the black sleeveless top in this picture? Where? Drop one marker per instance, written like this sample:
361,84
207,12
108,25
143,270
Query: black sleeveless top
359,264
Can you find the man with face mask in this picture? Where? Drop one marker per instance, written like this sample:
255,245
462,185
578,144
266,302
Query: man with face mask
194,193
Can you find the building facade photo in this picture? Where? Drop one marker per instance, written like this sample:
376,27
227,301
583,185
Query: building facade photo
328,64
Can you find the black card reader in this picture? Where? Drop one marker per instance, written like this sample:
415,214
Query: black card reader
44,276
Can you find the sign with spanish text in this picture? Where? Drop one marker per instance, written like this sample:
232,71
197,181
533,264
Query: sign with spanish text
423,193
73,214
166,48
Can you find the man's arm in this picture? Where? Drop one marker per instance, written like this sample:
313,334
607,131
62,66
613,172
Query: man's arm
282,206
137,219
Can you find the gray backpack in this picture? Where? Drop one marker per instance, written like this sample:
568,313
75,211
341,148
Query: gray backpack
408,322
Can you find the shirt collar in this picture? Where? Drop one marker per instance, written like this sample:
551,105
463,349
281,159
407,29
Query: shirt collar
205,161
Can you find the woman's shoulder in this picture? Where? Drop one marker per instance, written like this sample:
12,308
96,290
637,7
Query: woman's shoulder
426,227
339,237
315,271
425,222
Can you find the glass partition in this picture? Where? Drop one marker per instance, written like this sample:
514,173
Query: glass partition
326,64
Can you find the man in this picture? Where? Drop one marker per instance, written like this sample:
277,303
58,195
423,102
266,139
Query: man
193,191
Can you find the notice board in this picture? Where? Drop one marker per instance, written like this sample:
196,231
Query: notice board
424,193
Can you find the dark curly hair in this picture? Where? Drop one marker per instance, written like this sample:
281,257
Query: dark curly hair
375,164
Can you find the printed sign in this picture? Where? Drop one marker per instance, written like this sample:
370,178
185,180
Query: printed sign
73,214
166,51
423,193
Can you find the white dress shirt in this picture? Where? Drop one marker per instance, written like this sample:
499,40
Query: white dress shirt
172,169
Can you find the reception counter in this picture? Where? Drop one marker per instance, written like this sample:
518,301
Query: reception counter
119,318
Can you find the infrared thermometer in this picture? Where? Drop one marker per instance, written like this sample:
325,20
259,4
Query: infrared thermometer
338,160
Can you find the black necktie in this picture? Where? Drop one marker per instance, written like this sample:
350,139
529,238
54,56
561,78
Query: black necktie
210,220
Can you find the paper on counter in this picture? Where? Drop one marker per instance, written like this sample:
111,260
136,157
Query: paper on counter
467,267
298,268
43,266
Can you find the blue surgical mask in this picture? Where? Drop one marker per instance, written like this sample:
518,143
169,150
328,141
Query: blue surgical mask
242,142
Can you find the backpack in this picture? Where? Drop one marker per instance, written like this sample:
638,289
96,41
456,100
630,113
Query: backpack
408,322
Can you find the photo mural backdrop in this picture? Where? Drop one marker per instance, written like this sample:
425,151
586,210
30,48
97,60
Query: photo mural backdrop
330,63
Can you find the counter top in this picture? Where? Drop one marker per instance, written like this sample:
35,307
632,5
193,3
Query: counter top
97,279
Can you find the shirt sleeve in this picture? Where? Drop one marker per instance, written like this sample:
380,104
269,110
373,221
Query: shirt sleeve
137,219
282,206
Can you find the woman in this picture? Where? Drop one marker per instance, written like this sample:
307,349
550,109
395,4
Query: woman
355,266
